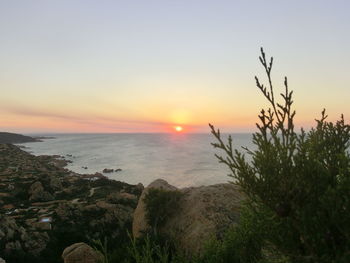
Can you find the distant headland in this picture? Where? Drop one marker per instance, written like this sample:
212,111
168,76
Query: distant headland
7,137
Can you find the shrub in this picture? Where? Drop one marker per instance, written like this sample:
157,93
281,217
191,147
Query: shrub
241,244
160,205
149,250
298,184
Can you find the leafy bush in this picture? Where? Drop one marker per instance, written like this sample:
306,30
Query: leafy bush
298,184
101,248
241,244
160,205
149,250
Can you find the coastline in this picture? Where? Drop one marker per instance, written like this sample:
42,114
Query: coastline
46,209
41,201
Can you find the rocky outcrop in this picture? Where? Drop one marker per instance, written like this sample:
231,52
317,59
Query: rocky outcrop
204,212
37,193
15,238
106,170
112,218
81,253
42,203
55,184
140,225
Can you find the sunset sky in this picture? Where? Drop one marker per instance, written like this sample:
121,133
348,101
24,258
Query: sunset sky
149,66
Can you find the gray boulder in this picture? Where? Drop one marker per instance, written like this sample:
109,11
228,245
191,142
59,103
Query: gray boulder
81,253
204,212
140,225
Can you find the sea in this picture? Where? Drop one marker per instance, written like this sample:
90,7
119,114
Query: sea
183,160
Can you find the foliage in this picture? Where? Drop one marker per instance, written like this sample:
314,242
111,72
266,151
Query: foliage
102,248
298,183
241,244
148,251
160,205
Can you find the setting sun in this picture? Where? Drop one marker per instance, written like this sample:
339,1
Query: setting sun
178,128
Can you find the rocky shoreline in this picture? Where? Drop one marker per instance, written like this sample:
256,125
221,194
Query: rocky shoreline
45,207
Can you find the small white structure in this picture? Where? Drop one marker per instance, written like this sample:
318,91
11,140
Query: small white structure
45,219
44,223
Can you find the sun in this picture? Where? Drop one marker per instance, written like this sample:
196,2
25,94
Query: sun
178,128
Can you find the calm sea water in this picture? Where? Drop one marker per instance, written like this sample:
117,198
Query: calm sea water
181,159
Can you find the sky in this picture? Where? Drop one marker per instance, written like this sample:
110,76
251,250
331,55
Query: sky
147,66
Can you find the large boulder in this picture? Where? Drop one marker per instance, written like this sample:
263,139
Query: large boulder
140,225
81,253
204,212
2,260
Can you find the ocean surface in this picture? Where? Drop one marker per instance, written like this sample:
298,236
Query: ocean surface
181,159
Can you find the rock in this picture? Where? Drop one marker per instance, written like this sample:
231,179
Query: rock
2,260
36,187
140,187
36,242
17,238
55,183
140,225
13,246
81,253
61,162
128,196
42,225
37,193
106,170
8,207
117,170
65,211
204,212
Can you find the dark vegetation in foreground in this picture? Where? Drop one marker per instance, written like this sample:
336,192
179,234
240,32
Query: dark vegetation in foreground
297,184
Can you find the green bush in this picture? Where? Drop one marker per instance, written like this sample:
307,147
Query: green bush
160,205
241,244
148,250
298,184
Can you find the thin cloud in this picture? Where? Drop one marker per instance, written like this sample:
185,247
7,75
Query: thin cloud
91,120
